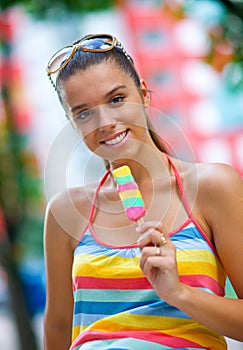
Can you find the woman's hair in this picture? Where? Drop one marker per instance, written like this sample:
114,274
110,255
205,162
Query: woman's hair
83,60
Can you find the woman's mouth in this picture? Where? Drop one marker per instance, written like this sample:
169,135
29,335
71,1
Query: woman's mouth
116,139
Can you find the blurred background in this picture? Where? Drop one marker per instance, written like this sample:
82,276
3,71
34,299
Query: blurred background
190,53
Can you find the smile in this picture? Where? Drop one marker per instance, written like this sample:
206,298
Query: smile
116,140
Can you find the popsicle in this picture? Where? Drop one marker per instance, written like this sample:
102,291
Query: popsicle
129,193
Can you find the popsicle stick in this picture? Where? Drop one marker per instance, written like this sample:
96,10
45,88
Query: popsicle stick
140,221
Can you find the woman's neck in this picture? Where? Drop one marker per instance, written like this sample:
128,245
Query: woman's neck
152,165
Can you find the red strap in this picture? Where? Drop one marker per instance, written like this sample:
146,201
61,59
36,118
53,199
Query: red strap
181,187
102,181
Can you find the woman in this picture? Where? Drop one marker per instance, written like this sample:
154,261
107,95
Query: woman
159,285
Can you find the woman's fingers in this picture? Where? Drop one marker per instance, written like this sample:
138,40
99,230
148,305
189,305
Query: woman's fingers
149,224
149,256
151,234
162,256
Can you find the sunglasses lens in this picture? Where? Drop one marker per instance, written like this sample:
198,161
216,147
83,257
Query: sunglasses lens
60,57
104,43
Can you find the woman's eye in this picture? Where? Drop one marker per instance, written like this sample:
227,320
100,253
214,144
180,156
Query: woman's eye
117,99
83,115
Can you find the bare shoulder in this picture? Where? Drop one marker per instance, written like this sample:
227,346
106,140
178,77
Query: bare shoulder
67,212
213,190
220,197
217,180
209,178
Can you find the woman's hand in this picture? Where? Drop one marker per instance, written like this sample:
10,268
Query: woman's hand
158,260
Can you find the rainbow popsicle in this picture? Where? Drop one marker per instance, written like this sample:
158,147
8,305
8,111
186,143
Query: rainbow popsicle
129,193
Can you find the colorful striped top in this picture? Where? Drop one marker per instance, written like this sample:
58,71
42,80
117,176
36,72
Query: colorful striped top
115,307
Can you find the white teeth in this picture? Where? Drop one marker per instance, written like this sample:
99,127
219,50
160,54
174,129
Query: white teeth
117,139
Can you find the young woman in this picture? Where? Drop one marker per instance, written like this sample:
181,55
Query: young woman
110,283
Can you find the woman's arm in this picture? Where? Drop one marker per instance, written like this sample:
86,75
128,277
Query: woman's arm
58,260
222,203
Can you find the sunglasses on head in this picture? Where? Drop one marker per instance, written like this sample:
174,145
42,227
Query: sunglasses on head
89,43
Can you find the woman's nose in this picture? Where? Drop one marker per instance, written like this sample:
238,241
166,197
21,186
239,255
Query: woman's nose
106,118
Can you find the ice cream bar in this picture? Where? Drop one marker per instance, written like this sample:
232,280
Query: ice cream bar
129,193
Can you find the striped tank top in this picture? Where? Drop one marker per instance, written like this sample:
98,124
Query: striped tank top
116,308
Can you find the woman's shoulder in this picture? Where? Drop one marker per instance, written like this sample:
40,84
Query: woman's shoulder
214,190
209,176
215,185
218,178
78,196
70,209
208,184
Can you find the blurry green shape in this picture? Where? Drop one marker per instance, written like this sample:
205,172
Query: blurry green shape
233,74
209,12
223,16
42,8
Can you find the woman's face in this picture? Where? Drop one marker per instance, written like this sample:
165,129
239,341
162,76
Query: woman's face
107,109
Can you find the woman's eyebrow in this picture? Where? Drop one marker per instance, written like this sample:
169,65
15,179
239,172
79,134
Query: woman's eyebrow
108,94
73,109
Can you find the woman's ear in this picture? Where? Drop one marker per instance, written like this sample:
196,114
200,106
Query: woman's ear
145,93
